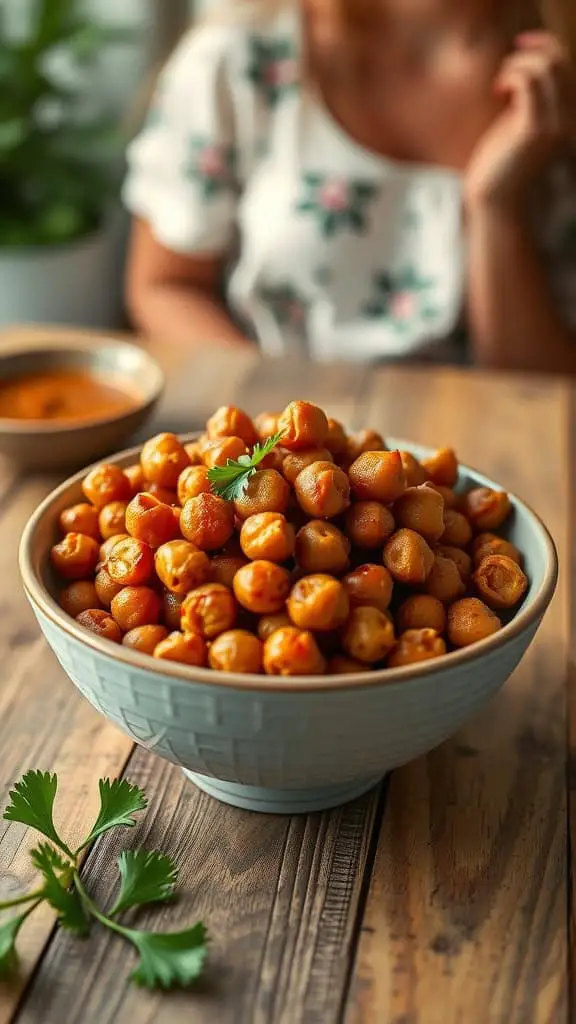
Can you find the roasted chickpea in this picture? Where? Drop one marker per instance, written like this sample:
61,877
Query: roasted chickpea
266,491
500,581
131,563
486,509
172,610
322,547
145,639
421,509
192,482
368,635
79,597
421,611
318,602
268,536
451,499
163,458
106,588
266,424
462,559
135,475
369,585
444,581
228,421
136,606
112,519
75,557
414,646
106,483
100,623
457,529
363,441
268,624
408,557
489,544
369,524
262,587
111,542
377,476
294,462
342,665
192,449
181,566
337,441
163,494
151,521
442,467
186,648
218,451
236,651
302,426
322,490
207,521
81,518
470,621
414,471
293,652
209,610
223,568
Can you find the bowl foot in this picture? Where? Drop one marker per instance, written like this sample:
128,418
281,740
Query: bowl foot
281,801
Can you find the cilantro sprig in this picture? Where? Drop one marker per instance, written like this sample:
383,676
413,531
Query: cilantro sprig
166,960
230,481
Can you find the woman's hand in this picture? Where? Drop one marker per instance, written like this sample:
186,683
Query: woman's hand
540,84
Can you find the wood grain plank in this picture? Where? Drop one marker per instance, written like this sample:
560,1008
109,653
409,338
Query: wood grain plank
467,909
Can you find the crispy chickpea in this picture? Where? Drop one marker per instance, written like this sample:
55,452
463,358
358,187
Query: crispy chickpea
451,499
82,518
337,441
223,568
368,635
106,483
470,621
192,482
369,524
369,585
135,475
462,559
236,651
293,652
421,509
490,544
136,606
171,610
131,563
186,648
294,462
266,424
486,509
76,556
363,441
322,547
112,519
268,624
343,665
500,581
111,542
457,529
268,536
163,458
78,597
322,490
414,646
302,426
228,421
442,467
377,476
192,449
444,581
106,588
163,494
218,451
209,610
266,491
181,566
207,521
408,557
414,471
421,611
318,602
150,520
100,623
262,587
145,639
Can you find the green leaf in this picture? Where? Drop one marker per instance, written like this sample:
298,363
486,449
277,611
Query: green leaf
230,481
146,877
119,800
12,133
167,960
8,934
33,803
58,875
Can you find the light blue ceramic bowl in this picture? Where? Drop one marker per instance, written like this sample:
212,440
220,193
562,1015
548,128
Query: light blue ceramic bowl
285,745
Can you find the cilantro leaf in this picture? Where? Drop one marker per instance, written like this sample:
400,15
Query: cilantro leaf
146,877
169,959
230,481
58,875
32,803
8,934
119,800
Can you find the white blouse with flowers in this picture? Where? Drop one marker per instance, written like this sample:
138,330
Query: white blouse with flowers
335,250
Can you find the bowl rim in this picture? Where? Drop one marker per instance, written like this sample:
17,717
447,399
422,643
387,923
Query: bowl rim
46,428
529,614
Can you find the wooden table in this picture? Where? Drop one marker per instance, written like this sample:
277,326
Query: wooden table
441,897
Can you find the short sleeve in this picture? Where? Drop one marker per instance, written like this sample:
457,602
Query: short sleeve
558,238
181,168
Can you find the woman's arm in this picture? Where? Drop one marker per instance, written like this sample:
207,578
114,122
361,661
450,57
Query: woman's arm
175,298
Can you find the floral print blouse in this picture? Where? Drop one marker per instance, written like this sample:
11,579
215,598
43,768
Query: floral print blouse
335,250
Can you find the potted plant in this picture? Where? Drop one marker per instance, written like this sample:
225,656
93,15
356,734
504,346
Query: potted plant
59,164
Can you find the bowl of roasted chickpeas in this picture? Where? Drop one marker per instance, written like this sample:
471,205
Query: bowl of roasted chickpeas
286,610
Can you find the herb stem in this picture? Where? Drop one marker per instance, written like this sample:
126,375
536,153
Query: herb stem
38,895
94,911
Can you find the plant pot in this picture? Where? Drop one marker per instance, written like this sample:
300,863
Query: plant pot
77,284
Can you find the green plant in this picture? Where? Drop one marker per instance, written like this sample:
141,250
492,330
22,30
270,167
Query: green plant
230,481
57,171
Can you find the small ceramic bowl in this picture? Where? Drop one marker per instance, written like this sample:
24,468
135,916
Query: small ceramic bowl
49,446
285,744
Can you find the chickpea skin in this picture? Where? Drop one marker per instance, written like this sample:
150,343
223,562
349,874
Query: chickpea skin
322,490
112,519
444,581
151,521
218,451
490,544
302,426
421,611
75,557
294,462
266,424
408,557
377,476
136,606
469,621
364,441
268,536
500,581
207,521
106,588
106,483
319,603
145,639
79,597
486,509
181,566
209,610
293,652
100,623
82,518
415,646
172,610
451,499
131,563
229,421
369,524
369,585
414,471
322,547
192,482
236,651
262,587
268,624
421,509
457,529
460,557
442,467
185,648
223,569
135,475
337,441
163,458
266,491
368,635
